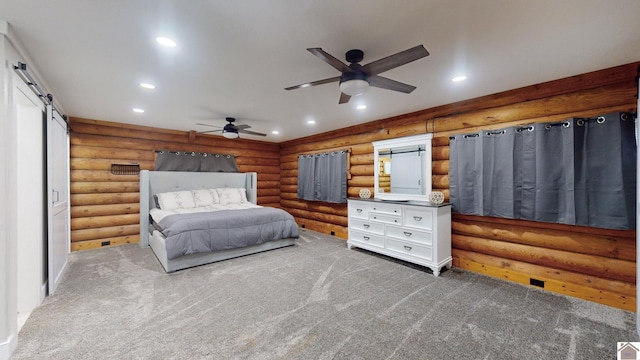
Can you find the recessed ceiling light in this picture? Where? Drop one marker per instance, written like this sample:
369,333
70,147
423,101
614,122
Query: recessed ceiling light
459,78
311,122
147,86
275,132
361,107
165,41
138,110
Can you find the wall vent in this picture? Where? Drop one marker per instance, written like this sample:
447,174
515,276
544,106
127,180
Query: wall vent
536,282
125,169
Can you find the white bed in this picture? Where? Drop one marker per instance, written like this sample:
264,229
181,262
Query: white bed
156,182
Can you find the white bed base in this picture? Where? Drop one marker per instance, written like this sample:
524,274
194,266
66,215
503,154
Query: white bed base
154,182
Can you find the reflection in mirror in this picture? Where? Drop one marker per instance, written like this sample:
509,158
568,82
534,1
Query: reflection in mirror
403,170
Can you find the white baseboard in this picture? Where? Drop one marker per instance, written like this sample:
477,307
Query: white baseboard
7,347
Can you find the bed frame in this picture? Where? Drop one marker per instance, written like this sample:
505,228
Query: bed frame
154,182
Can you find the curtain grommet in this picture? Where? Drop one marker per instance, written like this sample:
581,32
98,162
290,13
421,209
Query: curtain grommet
579,122
547,126
566,124
601,119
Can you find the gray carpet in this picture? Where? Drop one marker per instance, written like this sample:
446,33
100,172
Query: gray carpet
316,300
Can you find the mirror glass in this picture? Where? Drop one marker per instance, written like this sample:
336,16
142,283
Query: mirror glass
403,168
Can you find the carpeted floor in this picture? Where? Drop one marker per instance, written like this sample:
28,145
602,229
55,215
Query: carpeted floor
316,300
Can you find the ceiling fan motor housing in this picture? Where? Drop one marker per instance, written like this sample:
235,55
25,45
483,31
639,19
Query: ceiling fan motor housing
354,56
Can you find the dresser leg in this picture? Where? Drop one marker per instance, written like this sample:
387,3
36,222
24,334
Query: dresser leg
436,271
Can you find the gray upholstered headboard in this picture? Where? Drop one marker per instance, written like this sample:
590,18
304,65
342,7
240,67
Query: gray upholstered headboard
155,182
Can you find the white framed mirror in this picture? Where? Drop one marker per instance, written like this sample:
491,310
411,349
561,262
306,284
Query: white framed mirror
402,168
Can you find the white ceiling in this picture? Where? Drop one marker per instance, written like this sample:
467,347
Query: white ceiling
234,58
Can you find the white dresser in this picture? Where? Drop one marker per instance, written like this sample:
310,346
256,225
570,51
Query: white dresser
413,231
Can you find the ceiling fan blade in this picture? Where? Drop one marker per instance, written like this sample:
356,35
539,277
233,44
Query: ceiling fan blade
395,60
242,127
344,98
210,131
314,83
329,59
385,83
251,132
208,125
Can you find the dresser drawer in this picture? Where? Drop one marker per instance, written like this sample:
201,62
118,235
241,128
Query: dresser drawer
358,210
422,237
366,226
410,248
420,218
366,238
390,209
389,219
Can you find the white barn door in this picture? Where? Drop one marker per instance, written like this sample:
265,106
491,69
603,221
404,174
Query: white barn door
58,196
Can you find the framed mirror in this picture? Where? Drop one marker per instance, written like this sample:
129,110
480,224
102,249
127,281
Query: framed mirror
402,168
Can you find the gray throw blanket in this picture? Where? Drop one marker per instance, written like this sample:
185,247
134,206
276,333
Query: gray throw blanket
225,229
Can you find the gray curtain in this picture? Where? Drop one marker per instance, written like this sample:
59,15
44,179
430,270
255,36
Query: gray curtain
193,161
606,171
578,172
323,177
465,174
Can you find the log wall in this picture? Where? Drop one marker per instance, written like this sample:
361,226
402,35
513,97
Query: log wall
105,207
593,264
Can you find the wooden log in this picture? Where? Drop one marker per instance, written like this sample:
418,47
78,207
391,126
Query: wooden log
268,177
293,189
268,184
289,181
94,244
268,192
316,207
543,119
94,152
600,296
288,195
104,221
288,165
105,164
611,95
440,153
361,181
362,159
440,181
593,244
366,170
319,217
587,264
439,140
263,200
325,228
99,175
106,232
79,187
260,169
101,210
440,167
539,272
104,199
629,234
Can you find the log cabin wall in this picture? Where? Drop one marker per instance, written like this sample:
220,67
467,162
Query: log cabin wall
593,264
105,207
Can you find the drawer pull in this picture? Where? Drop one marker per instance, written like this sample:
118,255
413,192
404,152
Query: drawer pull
395,221
366,226
408,248
417,218
407,234
359,210
366,238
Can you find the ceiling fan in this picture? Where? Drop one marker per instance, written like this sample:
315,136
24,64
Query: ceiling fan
355,79
230,131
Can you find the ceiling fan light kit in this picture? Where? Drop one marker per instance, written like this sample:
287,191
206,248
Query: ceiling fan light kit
230,134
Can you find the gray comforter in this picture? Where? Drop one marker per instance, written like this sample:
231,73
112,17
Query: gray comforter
225,229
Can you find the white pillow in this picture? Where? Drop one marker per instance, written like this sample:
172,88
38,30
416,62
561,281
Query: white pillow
232,195
176,200
205,197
